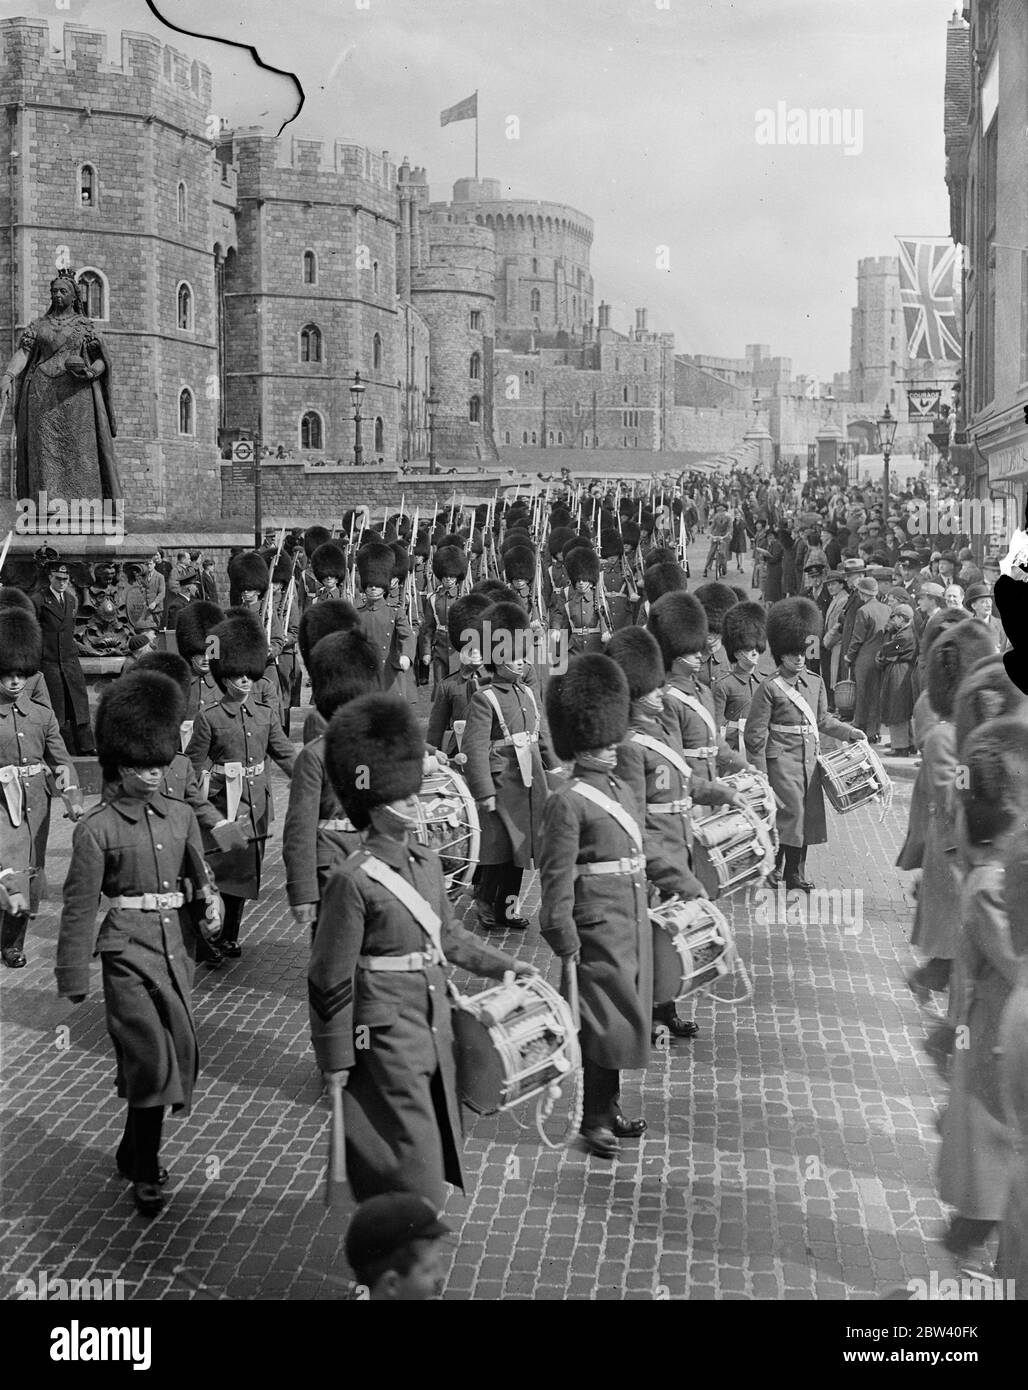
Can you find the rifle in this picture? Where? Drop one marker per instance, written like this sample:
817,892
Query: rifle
603,608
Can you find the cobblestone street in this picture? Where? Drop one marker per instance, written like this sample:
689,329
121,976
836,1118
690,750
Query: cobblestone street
790,1150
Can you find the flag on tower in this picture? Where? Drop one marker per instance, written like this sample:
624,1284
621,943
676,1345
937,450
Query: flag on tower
929,290
465,110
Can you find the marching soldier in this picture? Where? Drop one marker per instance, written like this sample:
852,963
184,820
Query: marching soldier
329,565
378,1006
454,695
141,849
581,613
744,634
196,622
450,566
592,867
622,601
717,599
387,627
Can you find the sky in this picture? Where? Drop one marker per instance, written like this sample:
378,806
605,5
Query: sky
641,113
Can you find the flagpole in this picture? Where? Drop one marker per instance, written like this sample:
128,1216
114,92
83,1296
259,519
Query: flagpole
476,135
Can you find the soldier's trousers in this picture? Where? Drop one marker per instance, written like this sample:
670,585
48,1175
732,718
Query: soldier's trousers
601,1091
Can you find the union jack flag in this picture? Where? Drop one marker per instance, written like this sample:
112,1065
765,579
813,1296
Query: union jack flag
929,292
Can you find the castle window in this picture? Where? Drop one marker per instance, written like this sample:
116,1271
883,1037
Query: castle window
185,411
506,436
475,410
560,436
379,434
534,440
535,266
646,364
376,350
535,322
310,268
624,393
549,436
184,307
524,436
93,293
535,302
578,407
180,204
310,343
475,367
475,319
637,395
312,431
374,276
87,186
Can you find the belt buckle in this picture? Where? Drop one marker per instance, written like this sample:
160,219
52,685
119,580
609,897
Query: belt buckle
163,901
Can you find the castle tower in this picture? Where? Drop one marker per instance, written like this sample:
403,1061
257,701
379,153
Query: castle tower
453,291
111,171
878,343
311,297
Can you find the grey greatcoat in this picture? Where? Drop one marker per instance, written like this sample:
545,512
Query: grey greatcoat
603,916
937,916
865,644
392,1029
60,664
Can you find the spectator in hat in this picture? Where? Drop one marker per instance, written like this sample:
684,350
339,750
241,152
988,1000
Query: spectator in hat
392,1246
953,596
56,609
831,642
978,598
896,659
868,637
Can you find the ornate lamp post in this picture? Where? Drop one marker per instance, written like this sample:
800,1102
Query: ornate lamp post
356,395
886,427
432,402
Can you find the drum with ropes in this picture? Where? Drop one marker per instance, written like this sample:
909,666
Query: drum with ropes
731,849
447,822
853,776
693,951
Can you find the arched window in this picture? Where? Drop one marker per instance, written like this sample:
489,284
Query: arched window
475,367
310,343
624,394
475,410
475,319
184,307
180,203
374,276
549,436
310,268
560,436
87,186
93,293
506,436
534,440
312,434
535,302
535,265
376,350
185,412
524,436
379,434
637,395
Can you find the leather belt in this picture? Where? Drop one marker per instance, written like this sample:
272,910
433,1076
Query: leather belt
234,775
700,752
150,902
248,770
791,729
342,825
633,864
417,960
521,740
667,808
585,631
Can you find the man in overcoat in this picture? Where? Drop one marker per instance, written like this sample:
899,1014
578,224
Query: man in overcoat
56,607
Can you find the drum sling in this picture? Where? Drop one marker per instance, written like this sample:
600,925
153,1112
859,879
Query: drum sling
809,724
697,706
422,911
521,742
663,750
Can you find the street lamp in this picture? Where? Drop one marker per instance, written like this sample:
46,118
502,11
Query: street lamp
356,395
886,427
432,402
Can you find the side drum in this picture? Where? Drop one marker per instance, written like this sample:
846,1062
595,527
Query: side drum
448,823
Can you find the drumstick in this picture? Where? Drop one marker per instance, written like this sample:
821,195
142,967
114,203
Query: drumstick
569,987
335,1177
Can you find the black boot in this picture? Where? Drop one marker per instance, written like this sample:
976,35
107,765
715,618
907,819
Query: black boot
793,874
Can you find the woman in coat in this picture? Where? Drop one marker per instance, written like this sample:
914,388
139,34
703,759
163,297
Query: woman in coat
788,717
896,661
141,849
772,553
976,1162
861,654
790,571
377,983
592,870
831,642
737,545
229,748
507,751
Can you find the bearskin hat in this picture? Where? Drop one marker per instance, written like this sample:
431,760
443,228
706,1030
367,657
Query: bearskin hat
985,693
375,566
559,516
329,562
248,570
169,664
423,543
242,649
21,643
452,538
582,563
495,589
647,521
282,570
10,597
950,659
193,625
501,623
940,621
343,666
465,616
636,651
315,536
663,579
661,555
630,533
516,536
744,628
610,545
374,752
587,706
994,794
449,563
138,721
319,619
401,560
679,624
741,595
717,599
519,563
790,624
558,539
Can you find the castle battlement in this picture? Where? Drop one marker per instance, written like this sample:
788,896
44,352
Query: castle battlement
344,157
878,265
28,51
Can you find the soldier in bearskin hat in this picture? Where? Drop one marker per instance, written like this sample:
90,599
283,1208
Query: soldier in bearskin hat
316,835
615,577
679,624
744,634
671,789
249,582
519,569
580,613
788,718
450,567
592,869
229,747
453,695
507,751
141,849
285,628
320,620
555,575
716,599
196,622
664,577
378,963
329,565
30,744
387,627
